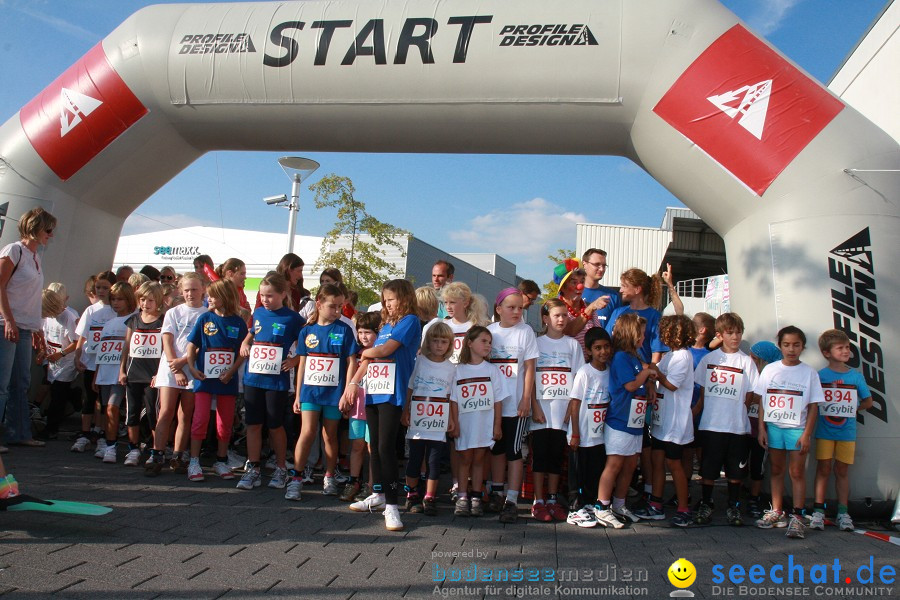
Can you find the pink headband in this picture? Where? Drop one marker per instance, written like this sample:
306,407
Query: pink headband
504,294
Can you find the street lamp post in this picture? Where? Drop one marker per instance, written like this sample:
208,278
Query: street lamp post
298,169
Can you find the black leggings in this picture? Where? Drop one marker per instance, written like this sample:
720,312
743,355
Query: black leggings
430,449
383,421
90,399
140,396
585,467
60,393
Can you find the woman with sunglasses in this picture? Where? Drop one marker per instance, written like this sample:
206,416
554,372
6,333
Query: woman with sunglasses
168,275
21,285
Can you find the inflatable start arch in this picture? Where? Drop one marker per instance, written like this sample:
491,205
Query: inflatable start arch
790,176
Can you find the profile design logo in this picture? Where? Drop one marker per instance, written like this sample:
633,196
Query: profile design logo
682,574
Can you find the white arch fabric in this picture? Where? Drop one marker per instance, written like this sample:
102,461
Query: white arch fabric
791,177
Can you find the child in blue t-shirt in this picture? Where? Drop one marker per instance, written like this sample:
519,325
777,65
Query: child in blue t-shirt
846,393
327,349
214,359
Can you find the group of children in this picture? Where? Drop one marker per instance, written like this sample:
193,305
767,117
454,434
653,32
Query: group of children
468,392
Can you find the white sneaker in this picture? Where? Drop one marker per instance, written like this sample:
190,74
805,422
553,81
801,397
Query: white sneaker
623,512
582,518
370,504
223,470
307,474
250,480
844,522
330,487
271,463
294,488
279,479
195,471
606,517
80,444
100,452
235,461
133,458
817,521
392,520
109,454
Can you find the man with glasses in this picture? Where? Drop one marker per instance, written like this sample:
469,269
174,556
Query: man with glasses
599,299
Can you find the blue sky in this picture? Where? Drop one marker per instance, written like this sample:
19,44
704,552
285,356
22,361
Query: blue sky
538,197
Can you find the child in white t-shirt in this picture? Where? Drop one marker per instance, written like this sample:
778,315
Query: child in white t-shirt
790,392
587,414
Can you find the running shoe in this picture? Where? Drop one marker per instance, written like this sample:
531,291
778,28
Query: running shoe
81,444
462,508
495,502
624,513
510,512
235,462
371,503
307,474
540,513
195,471
348,494
650,513
429,507
178,465
703,513
133,458
330,486
109,456
754,510
100,452
557,511
279,478
582,518
606,517
293,489
733,516
682,519
844,522
454,492
817,521
413,504
250,479
477,509
771,519
153,466
796,528
223,470
340,477
392,520
364,492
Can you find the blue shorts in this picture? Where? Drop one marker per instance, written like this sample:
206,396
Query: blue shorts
358,429
783,438
332,413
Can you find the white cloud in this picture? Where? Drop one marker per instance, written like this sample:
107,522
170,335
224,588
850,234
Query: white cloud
145,223
61,25
771,14
525,233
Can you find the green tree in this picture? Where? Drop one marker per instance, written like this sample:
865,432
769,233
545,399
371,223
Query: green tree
551,289
357,241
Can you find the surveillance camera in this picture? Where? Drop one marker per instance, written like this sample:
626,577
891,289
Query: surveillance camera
275,199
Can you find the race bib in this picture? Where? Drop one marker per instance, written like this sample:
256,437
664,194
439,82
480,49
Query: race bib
474,394
92,340
509,367
638,412
458,339
597,417
841,400
145,345
322,370
428,415
753,411
109,351
216,362
265,359
783,407
655,414
554,383
380,376
724,383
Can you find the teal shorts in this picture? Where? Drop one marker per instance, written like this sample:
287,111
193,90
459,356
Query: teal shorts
783,438
332,413
358,429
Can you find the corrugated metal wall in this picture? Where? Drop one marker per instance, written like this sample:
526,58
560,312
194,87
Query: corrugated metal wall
673,212
626,247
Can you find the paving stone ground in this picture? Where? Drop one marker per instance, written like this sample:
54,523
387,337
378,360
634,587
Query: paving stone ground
171,538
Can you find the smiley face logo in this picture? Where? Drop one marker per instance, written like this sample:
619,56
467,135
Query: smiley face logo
682,573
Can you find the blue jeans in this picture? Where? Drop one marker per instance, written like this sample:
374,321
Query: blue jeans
15,377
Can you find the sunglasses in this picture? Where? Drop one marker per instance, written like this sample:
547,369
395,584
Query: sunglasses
167,278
